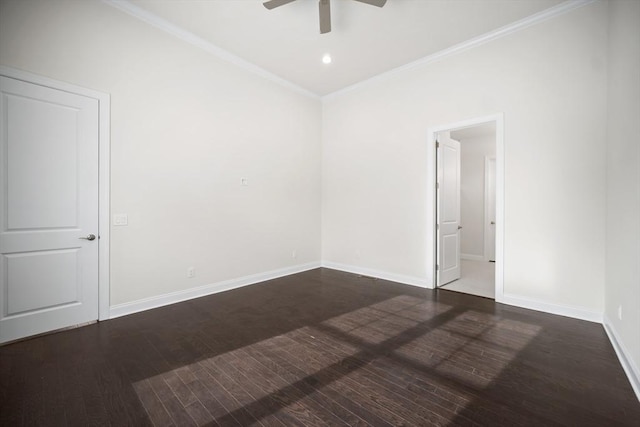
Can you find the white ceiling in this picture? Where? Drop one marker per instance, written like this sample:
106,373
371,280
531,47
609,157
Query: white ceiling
365,41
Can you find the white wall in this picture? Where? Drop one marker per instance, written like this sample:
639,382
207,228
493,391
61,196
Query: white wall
186,127
623,180
472,192
550,82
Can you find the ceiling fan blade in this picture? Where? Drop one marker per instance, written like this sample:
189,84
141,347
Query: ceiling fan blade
378,3
325,16
272,4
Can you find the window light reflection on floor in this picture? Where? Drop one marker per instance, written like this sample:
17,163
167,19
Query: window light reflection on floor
404,335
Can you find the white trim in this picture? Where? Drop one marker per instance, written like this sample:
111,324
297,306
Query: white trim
28,77
200,291
627,362
551,308
498,118
552,12
186,36
470,257
104,172
384,275
487,226
104,206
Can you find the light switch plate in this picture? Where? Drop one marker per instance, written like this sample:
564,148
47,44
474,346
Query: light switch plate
120,219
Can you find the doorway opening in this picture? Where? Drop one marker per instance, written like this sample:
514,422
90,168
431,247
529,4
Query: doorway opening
468,195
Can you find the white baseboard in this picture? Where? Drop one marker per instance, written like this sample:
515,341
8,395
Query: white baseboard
470,257
562,310
628,364
393,277
200,291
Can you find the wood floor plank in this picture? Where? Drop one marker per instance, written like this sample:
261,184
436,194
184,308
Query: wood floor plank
345,397
321,348
200,414
337,414
294,391
441,408
260,404
210,403
229,394
364,397
157,412
284,401
179,388
170,401
391,399
218,403
71,383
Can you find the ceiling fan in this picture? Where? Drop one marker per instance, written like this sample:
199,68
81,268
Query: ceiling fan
325,10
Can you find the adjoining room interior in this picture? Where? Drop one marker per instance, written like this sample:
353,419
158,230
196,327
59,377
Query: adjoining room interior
225,213
478,278
477,210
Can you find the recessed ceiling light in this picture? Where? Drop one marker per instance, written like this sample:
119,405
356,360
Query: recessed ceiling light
326,59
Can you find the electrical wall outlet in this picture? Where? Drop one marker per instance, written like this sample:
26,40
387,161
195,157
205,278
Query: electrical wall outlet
620,312
191,272
294,254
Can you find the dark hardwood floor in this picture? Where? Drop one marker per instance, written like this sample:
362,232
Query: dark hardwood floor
321,348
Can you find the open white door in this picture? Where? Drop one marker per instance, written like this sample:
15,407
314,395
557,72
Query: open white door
48,209
448,214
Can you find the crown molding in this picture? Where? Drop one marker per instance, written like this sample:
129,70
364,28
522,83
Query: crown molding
186,36
516,26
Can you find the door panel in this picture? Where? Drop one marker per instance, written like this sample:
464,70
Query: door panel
28,270
449,252
49,189
48,198
448,200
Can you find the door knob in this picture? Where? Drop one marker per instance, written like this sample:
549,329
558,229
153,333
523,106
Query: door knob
89,237
493,223
459,227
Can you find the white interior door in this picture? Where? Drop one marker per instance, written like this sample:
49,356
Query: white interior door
49,206
490,209
448,200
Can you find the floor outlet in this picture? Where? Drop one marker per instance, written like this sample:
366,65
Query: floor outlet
191,272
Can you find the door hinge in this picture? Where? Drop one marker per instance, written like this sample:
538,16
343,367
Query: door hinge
437,185
437,267
437,144
437,226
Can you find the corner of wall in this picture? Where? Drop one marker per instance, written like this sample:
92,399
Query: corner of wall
629,366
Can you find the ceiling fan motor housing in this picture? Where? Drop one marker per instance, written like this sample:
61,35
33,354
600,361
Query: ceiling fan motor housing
324,9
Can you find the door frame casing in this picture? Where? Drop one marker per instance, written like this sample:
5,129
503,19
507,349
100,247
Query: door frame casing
104,171
487,189
432,133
